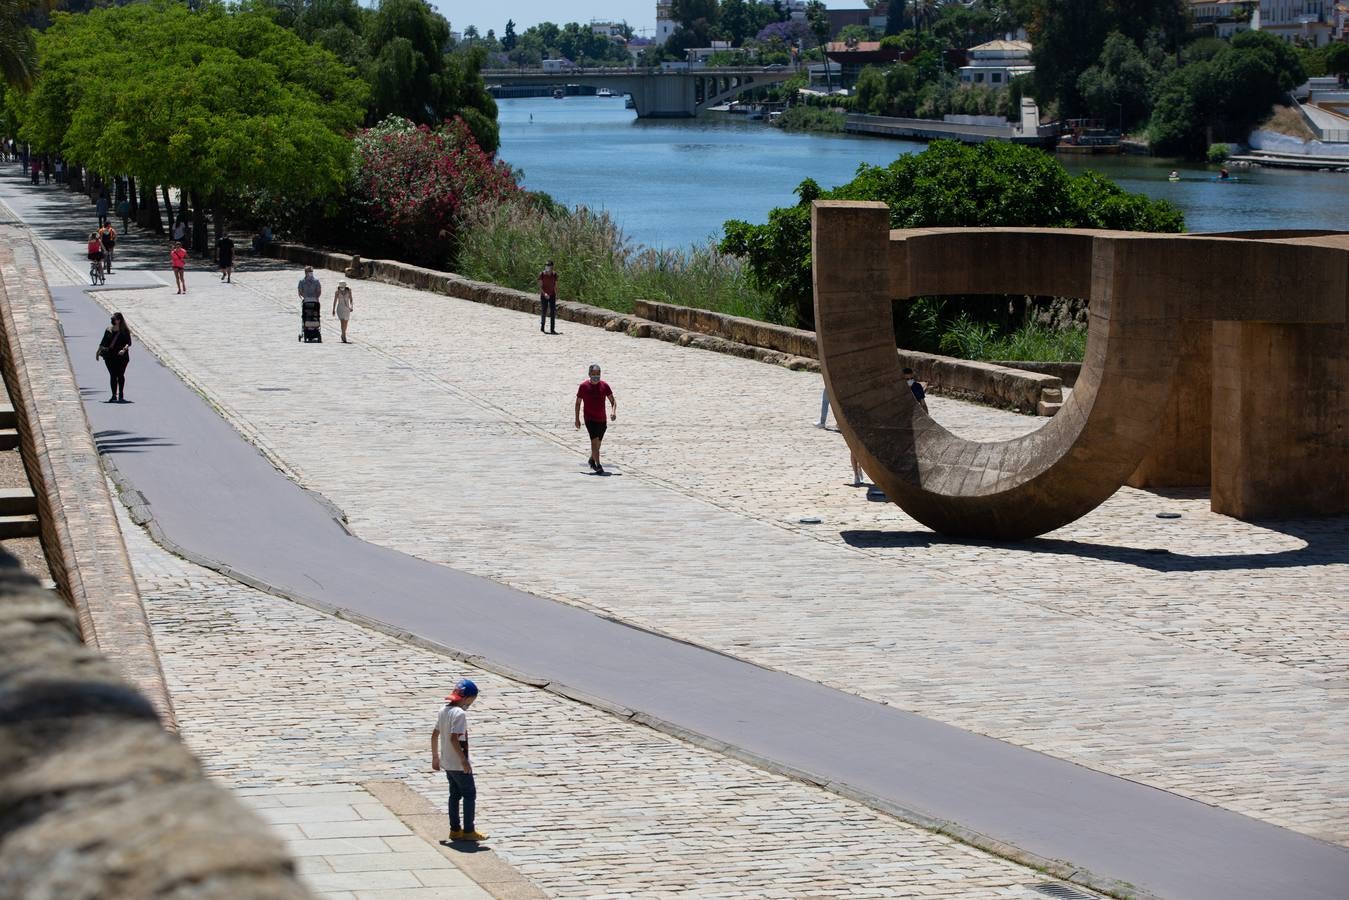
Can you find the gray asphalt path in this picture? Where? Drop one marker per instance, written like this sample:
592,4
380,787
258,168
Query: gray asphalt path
214,494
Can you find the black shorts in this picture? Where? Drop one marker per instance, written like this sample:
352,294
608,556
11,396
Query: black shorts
596,429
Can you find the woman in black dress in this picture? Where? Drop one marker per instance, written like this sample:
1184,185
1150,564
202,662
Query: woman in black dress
115,351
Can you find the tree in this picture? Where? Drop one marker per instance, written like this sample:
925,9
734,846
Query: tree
948,184
737,24
1121,80
18,55
818,17
508,37
1337,60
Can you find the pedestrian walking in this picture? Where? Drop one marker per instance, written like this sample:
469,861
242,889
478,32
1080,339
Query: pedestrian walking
180,232
449,751
591,395
35,169
343,304
179,258
46,170
123,210
101,207
824,408
548,297
918,393
107,235
310,288
224,257
115,351
61,172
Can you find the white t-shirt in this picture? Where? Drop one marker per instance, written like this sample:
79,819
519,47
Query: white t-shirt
453,725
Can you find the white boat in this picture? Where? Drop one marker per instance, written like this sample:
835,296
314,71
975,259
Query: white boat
604,92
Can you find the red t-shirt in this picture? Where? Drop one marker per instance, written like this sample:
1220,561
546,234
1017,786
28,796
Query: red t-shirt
592,399
548,285
179,257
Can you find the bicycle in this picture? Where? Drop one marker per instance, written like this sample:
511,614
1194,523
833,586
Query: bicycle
96,275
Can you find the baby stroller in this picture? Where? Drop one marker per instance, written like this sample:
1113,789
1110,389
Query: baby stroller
310,320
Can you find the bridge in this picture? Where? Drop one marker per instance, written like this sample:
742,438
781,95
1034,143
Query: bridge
656,93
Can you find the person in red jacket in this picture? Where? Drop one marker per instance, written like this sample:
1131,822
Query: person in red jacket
548,297
179,257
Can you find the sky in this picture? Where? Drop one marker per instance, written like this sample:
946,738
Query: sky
637,13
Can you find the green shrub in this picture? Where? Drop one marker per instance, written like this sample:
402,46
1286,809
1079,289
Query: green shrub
811,118
508,244
1218,153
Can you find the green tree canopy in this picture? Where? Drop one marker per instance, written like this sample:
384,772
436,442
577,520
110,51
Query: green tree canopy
949,184
1120,82
208,100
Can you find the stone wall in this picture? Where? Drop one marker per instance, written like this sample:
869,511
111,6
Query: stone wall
794,348
79,530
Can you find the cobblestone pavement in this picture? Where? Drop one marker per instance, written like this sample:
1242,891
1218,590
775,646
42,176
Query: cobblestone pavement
273,696
348,846
1215,669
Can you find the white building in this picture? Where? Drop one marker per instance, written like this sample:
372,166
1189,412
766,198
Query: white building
996,63
614,31
1311,21
665,23
1222,18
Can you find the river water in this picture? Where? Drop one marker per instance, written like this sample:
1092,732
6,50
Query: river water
672,182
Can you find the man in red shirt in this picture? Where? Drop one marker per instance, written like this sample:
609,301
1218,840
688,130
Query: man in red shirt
548,299
592,394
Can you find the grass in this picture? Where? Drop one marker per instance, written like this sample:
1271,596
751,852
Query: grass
599,265
1289,121
968,339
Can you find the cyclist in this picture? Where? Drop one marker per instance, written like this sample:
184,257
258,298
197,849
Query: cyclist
108,235
95,251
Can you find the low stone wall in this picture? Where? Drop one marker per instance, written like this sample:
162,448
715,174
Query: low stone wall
794,348
1066,372
795,341
96,799
79,531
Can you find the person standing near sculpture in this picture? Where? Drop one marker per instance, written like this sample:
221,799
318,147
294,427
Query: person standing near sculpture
591,395
918,393
115,351
548,297
343,304
449,751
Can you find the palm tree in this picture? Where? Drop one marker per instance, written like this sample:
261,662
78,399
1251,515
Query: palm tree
18,55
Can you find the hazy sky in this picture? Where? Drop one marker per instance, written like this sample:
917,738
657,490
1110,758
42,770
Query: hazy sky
638,13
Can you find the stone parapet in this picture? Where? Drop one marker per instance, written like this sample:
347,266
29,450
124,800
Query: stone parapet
79,530
99,800
793,348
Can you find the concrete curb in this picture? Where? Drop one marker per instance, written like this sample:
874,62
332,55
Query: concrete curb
492,873
79,531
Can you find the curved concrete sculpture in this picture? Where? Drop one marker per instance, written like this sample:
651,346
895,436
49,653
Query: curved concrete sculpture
1144,291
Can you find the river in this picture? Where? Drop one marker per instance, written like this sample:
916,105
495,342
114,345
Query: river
672,182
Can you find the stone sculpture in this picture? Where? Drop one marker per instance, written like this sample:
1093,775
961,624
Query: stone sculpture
1211,359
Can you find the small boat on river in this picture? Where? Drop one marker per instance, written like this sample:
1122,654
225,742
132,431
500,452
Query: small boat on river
1087,136
558,93
604,92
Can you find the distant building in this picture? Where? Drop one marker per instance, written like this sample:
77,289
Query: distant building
558,65
1222,18
867,18
851,58
1308,21
615,31
665,23
997,63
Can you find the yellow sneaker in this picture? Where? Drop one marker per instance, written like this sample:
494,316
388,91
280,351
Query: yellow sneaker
474,836
456,835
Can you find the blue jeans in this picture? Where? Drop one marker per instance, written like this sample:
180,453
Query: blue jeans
462,787
824,407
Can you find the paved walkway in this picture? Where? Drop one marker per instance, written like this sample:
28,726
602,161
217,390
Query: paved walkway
1228,649
348,846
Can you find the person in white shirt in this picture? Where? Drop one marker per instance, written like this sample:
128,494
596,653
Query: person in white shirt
449,750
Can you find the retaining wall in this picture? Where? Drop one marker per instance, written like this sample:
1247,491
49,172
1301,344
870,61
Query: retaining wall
79,530
1033,392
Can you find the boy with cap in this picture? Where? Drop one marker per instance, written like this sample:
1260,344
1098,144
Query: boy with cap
449,742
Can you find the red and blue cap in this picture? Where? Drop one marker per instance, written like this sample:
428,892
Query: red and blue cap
465,688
